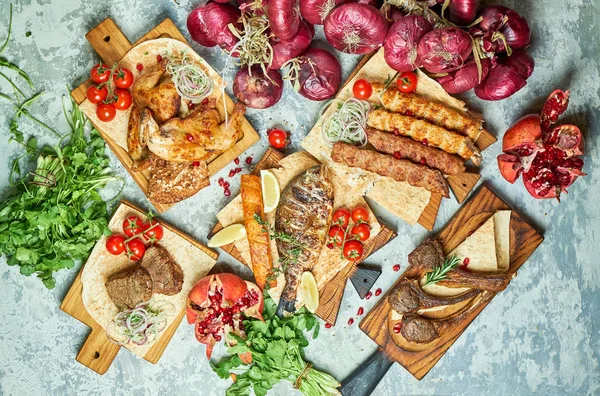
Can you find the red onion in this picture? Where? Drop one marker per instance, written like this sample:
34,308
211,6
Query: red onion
466,77
401,42
315,11
208,25
521,61
284,17
461,12
285,50
320,74
392,13
444,50
501,29
355,28
502,81
257,90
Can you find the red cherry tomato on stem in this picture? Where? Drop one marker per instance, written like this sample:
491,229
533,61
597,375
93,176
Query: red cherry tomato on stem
360,214
362,90
96,94
336,236
100,73
341,217
136,249
123,100
123,78
115,244
361,231
106,112
353,250
133,225
153,231
278,138
407,82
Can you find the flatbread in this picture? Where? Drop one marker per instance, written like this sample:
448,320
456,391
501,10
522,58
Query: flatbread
145,54
330,261
101,265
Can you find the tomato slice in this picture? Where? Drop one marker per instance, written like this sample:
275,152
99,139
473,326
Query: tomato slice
341,217
362,89
407,82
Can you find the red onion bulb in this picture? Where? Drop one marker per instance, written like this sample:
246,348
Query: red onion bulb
320,74
284,17
255,89
444,50
315,11
208,25
466,77
284,50
400,46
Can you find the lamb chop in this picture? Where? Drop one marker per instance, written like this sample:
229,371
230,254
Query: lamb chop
429,254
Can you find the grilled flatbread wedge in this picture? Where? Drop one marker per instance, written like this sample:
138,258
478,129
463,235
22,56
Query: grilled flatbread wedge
171,182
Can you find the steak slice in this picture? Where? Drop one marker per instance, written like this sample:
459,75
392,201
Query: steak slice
166,274
130,287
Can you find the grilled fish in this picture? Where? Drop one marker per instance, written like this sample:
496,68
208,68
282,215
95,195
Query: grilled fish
303,216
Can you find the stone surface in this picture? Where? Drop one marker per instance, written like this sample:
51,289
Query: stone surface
541,336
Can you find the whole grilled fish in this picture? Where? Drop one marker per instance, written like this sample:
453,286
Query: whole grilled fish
302,220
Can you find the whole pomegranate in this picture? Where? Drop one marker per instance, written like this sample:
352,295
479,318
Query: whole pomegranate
218,303
546,156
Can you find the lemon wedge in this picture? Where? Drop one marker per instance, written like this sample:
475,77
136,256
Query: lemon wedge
270,190
310,291
227,235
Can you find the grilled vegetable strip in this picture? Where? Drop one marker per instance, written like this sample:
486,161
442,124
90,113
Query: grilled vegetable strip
403,147
258,237
433,112
424,132
385,165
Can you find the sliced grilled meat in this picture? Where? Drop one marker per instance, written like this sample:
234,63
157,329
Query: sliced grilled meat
166,274
408,297
130,287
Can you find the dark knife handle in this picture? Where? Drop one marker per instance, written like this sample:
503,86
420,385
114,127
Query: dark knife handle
364,380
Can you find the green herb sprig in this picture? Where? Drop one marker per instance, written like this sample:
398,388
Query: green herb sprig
440,273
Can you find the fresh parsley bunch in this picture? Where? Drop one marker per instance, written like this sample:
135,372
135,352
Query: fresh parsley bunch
277,349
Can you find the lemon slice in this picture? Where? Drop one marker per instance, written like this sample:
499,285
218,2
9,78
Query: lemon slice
270,190
227,235
310,291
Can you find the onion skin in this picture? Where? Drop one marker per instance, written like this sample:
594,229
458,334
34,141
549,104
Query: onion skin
208,25
444,50
315,11
321,80
400,45
355,28
502,81
256,90
462,12
284,18
285,50
521,61
497,19
466,77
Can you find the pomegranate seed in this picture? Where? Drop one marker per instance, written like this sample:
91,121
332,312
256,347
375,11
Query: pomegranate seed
328,325
396,267
238,170
196,163
237,161
249,160
191,106
330,245
396,131
189,137
471,233
205,101
368,296
398,154
409,113
158,58
360,311
377,292
221,181
140,67
425,141
217,337
232,173
466,261
226,184
350,321
423,161
397,327
227,193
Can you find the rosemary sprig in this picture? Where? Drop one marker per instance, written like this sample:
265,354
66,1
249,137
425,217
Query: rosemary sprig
440,273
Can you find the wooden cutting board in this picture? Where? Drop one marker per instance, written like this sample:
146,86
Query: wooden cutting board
331,295
98,352
111,45
524,239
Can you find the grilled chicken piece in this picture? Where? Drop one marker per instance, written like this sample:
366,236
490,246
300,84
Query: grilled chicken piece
155,90
197,136
137,137
304,213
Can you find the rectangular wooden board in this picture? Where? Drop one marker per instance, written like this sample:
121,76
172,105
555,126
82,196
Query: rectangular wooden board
524,239
98,352
111,45
330,297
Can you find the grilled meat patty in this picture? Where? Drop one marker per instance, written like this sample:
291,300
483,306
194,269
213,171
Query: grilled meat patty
166,274
130,287
304,216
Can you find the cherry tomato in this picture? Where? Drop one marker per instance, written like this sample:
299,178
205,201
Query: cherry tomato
136,249
407,82
361,231
336,236
100,73
360,214
133,225
278,138
106,112
115,244
362,90
123,78
153,234
123,99
341,217
96,94
353,250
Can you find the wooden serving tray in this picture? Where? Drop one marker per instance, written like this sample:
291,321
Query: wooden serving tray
331,295
111,45
524,239
98,352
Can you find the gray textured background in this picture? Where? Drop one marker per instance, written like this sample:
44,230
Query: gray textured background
540,336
